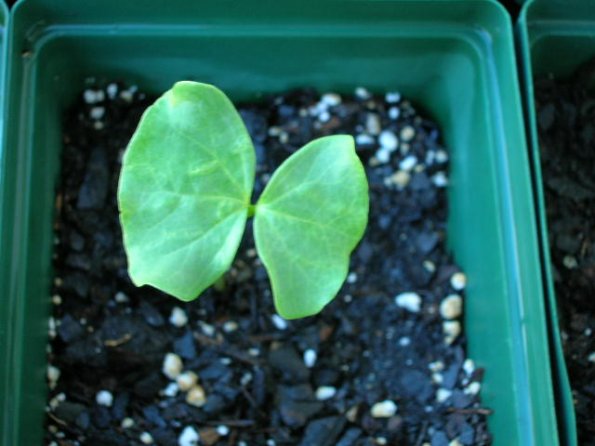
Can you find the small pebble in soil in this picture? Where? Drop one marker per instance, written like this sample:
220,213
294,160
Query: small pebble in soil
56,400
468,366
112,90
363,139
373,126
323,117
189,437
97,112
400,178
451,307
451,329
351,278
246,379
121,297
458,281
443,394
93,96
207,329
408,163
394,113
178,317
171,390
128,94
53,375
569,262
196,396
388,140
473,388
440,180
279,322
362,93
127,423
409,301
441,156
384,409
52,327
104,398
230,326
392,97
253,351
352,414
436,366
325,392
172,365
310,357
407,133
186,381
331,99
383,156
429,266
146,438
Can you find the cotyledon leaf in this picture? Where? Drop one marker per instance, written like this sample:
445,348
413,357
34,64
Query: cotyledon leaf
309,218
184,191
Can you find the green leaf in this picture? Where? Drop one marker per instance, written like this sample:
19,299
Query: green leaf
184,191
307,221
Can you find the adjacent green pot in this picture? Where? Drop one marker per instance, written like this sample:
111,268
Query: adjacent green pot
456,58
3,30
555,36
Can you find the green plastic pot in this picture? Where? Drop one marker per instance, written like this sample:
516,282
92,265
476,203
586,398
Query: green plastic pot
555,36
3,24
454,57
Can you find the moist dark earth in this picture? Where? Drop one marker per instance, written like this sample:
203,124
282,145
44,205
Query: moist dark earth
383,364
566,117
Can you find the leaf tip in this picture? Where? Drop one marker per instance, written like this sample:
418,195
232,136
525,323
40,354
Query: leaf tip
291,312
140,280
134,276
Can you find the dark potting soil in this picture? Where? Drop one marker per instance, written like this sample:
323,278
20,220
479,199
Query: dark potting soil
566,119
384,363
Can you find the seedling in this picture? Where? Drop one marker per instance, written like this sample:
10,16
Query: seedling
184,198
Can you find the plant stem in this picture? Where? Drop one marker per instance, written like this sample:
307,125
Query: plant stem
251,210
219,284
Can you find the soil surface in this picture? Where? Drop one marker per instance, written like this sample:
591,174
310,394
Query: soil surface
566,119
383,364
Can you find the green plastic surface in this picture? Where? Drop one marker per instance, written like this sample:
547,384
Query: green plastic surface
3,261
455,58
555,36
3,25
